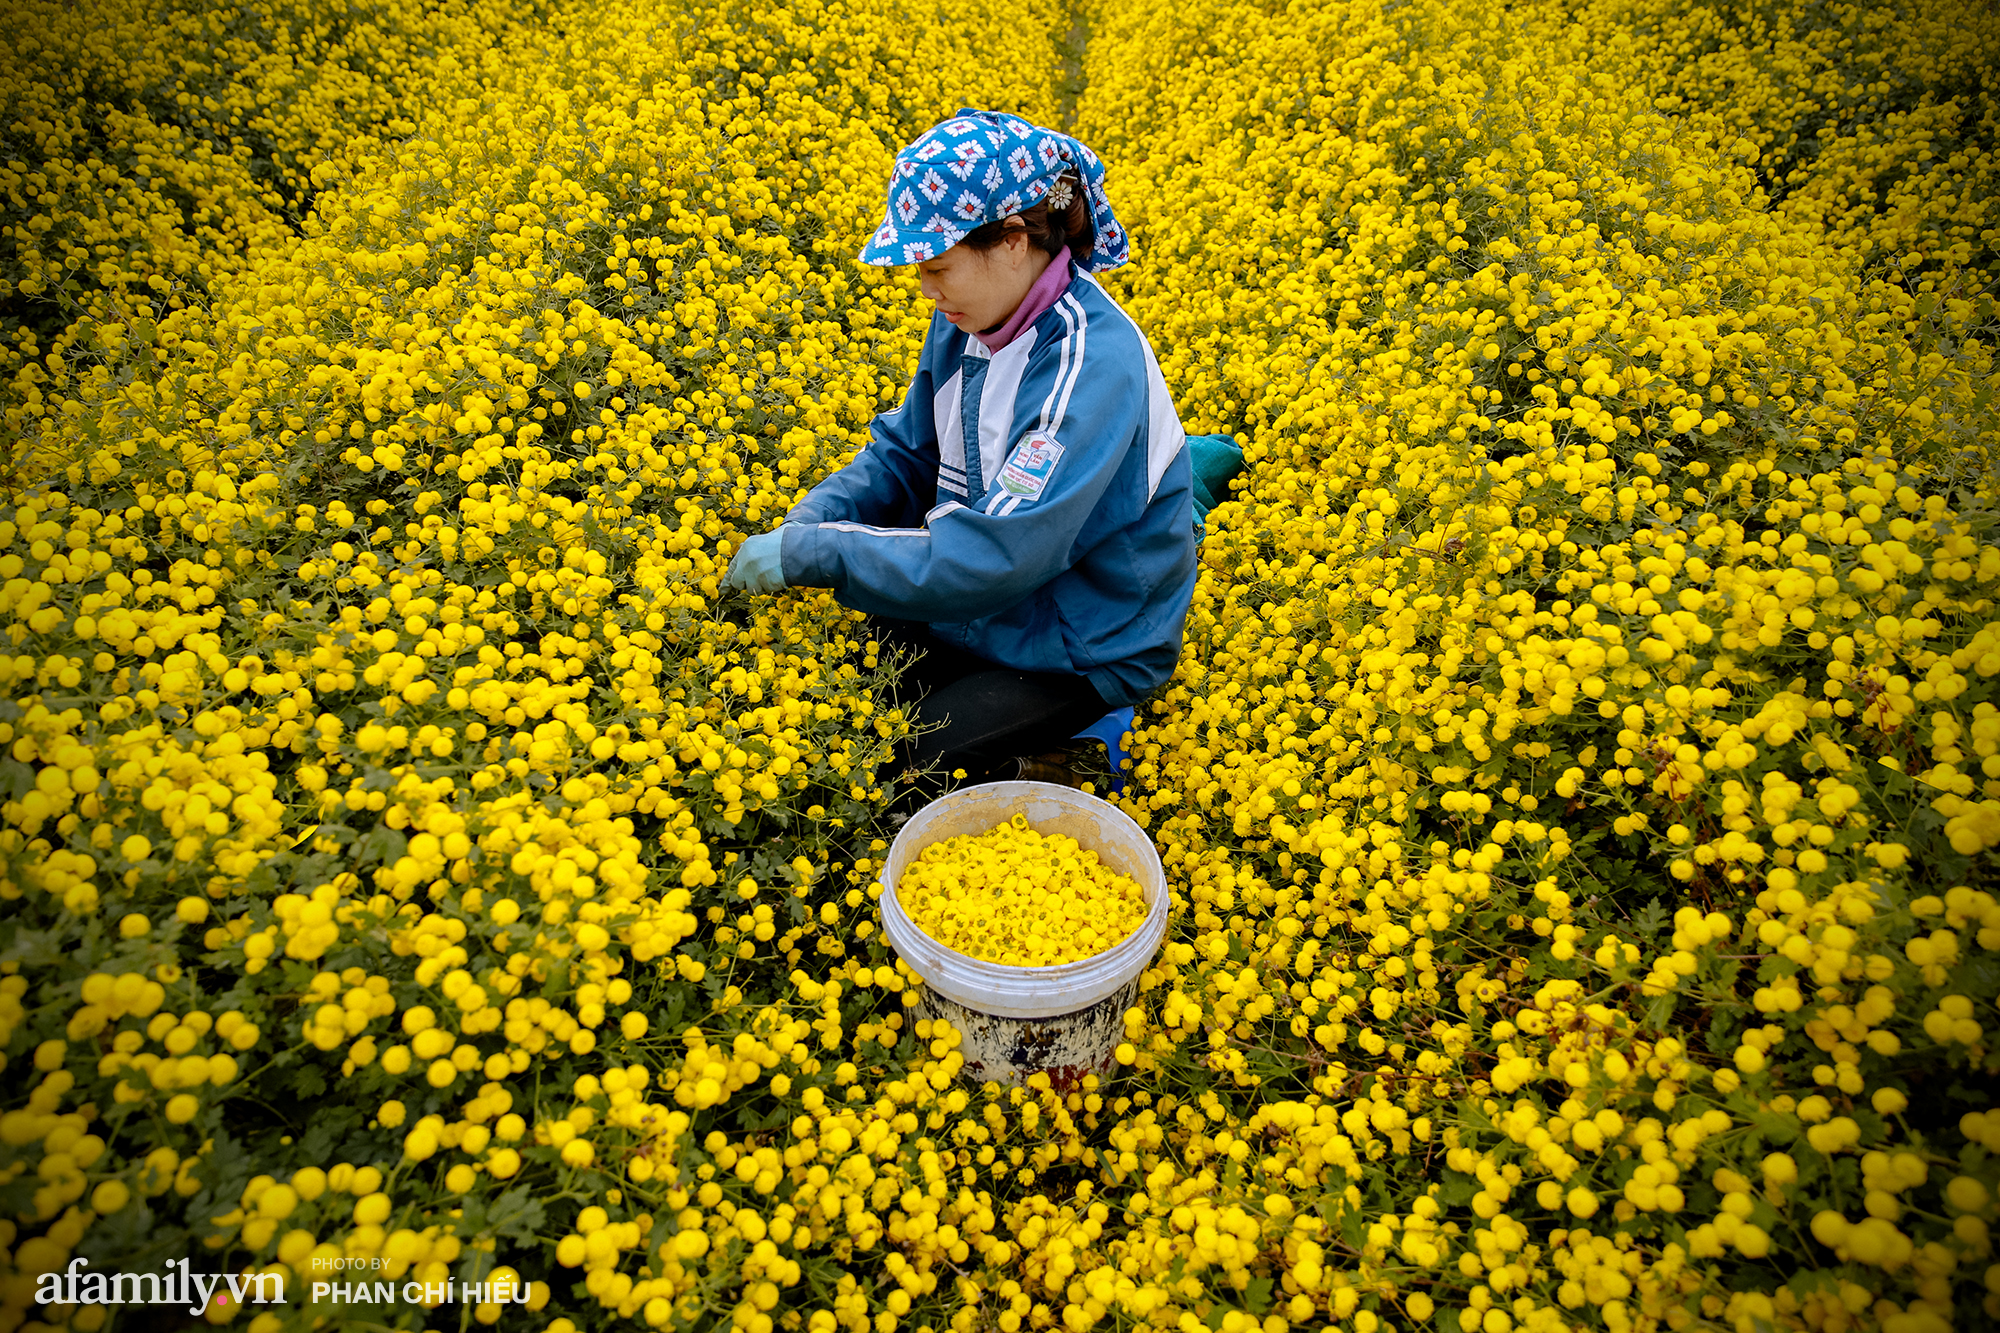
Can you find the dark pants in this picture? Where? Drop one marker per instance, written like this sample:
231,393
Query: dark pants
989,714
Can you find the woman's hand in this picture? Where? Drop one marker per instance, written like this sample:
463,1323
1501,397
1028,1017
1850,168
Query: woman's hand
759,564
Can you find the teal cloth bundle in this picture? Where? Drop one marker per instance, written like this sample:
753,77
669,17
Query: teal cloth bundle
1215,459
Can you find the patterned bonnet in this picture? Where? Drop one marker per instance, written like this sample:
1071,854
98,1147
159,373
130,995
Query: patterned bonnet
979,167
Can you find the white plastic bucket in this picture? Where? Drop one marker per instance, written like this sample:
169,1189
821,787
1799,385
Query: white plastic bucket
1066,1020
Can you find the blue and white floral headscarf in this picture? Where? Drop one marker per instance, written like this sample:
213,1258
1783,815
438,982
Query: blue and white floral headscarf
979,167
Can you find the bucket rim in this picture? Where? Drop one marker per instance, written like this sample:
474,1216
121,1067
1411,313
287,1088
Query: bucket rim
1116,957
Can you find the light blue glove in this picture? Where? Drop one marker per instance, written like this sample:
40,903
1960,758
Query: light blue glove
759,565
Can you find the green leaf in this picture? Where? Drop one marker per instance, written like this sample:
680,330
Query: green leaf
17,1195
33,948
381,844
325,1133
308,1082
16,779
517,1215
1774,967
1777,1128
129,1231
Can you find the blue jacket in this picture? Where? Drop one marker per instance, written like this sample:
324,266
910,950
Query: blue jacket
1034,506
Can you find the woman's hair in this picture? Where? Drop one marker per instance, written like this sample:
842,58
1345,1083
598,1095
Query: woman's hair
1047,228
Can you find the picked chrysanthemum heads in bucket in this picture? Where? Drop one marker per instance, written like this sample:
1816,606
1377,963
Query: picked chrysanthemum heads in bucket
1021,898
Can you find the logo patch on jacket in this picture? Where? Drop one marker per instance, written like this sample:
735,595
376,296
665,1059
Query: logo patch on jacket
1027,470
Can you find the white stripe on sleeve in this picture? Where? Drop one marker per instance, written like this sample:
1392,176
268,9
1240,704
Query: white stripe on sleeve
1070,347
847,525
1066,384
950,434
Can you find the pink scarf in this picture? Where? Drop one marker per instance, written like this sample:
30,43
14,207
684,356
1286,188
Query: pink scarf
1048,289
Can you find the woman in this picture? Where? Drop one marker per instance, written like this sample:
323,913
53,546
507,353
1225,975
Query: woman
1025,517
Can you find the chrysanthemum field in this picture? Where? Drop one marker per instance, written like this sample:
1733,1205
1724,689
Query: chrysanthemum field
1580,791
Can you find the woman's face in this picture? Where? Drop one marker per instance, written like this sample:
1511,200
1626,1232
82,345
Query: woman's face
977,289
